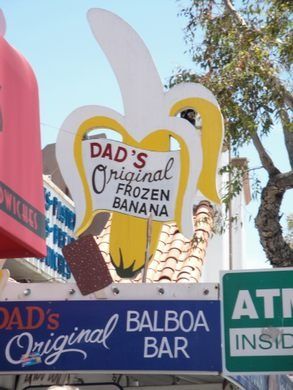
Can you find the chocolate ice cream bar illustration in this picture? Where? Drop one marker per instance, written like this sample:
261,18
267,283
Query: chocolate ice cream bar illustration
87,265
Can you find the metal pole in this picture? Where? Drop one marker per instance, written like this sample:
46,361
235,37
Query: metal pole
147,249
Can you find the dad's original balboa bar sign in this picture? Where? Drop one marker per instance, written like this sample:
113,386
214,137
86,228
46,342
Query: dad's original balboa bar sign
163,336
22,221
140,176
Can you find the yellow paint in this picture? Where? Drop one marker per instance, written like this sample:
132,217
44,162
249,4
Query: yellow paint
211,140
88,125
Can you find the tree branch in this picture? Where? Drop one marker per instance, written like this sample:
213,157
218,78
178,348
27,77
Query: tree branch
284,181
232,11
266,160
268,221
288,135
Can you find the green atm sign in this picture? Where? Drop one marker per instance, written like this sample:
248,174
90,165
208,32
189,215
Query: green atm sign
257,321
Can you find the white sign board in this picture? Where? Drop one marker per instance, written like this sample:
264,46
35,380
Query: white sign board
130,180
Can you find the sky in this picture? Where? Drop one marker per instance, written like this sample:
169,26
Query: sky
72,71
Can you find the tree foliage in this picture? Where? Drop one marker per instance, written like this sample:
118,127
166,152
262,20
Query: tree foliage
244,56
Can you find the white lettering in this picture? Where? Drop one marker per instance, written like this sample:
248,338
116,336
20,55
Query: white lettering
165,348
157,348
146,321
186,321
24,344
171,318
244,306
287,295
201,321
168,321
150,347
268,296
132,318
182,347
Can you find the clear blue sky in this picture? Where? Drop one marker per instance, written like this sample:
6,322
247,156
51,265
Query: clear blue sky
72,71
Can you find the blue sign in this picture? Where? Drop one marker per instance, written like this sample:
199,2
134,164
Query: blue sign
165,336
60,222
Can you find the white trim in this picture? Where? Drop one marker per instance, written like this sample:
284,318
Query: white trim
116,291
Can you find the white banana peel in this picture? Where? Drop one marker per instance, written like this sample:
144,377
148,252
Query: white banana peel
149,120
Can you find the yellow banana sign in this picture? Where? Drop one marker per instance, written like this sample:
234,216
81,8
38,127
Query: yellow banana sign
149,121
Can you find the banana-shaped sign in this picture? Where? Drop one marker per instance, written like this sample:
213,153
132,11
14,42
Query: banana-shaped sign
141,176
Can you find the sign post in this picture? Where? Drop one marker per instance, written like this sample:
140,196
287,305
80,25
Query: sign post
257,321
